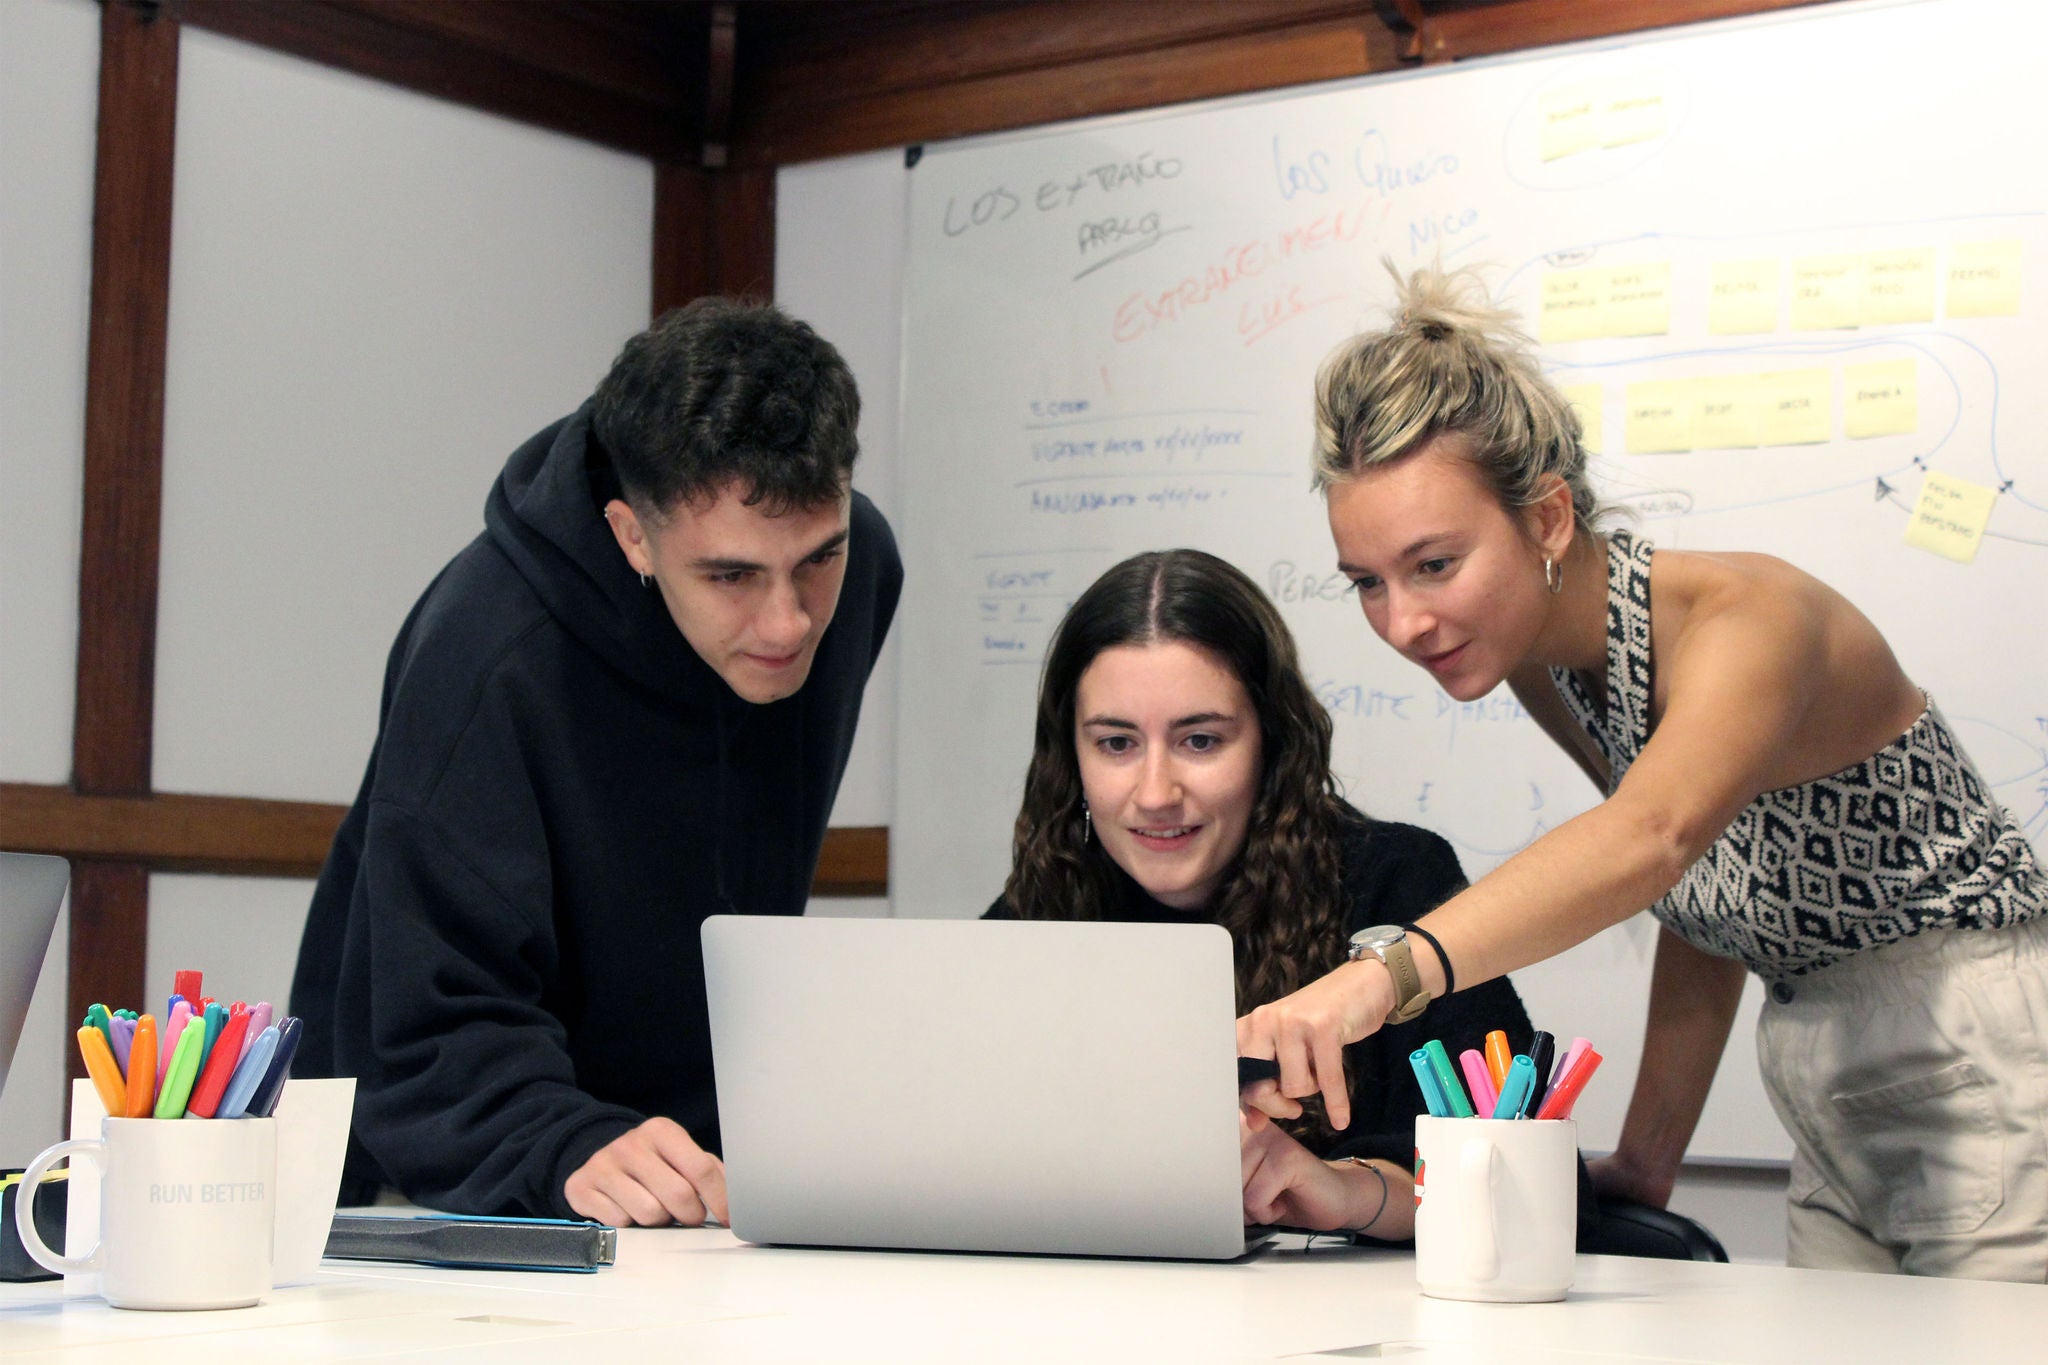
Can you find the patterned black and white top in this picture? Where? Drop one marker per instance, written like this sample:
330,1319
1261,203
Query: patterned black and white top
1907,840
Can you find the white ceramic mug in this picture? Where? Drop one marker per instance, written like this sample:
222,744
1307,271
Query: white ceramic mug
186,1208
1496,1208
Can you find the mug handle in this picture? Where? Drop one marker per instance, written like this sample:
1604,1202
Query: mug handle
24,1207
1479,1164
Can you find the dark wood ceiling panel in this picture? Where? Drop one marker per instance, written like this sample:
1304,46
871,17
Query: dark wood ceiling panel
924,48
1078,89
1514,25
484,54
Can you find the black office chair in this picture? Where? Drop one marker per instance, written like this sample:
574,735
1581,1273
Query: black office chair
1623,1227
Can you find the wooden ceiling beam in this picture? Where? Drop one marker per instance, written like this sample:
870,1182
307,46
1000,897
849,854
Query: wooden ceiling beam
502,58
246,836
1515,25
1085,87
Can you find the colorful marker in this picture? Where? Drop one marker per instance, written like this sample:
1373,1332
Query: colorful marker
106,1076
216,1019
141,1095
1485,1094
181,1015
1543,1056
1558,1103
187,984
120,1036
177,1086
218,1069
1564,1063
259,1020
1447,1077
1514,1095
248,1075
271,1086
1499,1057
1425,1076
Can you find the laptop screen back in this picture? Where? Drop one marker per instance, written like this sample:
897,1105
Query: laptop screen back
31,890
981,1086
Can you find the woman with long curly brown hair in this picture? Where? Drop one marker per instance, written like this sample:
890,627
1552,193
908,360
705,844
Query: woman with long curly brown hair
1181,770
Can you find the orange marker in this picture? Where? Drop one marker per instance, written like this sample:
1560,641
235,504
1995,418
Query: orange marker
1498,1057
219,1069
105,1072
142,1069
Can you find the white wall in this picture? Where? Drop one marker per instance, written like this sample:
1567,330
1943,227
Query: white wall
374,297
49,92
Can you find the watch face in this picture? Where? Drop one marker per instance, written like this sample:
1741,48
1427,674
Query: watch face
1378,936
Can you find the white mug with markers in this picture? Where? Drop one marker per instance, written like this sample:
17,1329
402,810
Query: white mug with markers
186,1212
1496,1171
187,1153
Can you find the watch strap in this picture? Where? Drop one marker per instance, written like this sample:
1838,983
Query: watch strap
1410,999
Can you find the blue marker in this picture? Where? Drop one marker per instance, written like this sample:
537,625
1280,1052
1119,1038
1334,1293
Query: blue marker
249,1072
1517,1090
1425,1076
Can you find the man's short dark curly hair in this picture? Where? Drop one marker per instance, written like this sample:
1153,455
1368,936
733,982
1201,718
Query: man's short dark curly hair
721,391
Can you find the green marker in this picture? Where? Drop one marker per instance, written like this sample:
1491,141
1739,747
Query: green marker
1454,1089
96,1016
178,1077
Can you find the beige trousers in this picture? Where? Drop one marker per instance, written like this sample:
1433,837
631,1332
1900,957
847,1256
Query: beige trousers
1914,1082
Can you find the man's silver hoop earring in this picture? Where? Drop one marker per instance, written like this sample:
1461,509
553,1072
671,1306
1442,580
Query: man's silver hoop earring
1087,823
1553,576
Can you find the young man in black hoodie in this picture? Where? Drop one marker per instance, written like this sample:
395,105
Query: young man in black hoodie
625,706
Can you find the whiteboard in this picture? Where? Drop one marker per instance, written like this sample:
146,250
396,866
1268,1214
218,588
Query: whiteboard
1111,330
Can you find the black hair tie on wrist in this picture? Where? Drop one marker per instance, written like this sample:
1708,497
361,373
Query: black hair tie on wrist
1443,958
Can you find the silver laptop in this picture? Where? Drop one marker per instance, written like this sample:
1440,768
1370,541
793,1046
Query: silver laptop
31,890
977,1086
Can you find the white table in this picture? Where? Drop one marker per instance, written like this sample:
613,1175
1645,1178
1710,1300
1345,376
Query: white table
700,1295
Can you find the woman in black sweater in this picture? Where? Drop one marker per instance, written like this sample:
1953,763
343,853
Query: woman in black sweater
1181,770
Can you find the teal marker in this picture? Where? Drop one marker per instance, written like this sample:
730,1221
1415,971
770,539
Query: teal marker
1447,1078
1425,1076
1517,1090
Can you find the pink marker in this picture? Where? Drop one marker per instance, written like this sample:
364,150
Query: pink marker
1485,1098
259,1020
181,1015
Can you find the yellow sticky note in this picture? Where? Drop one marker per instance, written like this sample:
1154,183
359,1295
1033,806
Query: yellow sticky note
1950,517
1827,292
1636,300
1727,411
1571,305
1898,286
1585,400
1633,113
1744,299
1570,121
1660,416
1984,279
1880,399
1798,407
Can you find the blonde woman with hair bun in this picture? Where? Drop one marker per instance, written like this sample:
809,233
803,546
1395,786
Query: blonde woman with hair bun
1777,792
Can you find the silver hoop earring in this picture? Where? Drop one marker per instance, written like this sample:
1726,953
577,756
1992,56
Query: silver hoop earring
1553,576
1087,822
646,581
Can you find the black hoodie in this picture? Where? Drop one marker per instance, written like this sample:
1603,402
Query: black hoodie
503,945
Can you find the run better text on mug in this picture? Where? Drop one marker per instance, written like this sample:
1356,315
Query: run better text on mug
1497,1209
186,1210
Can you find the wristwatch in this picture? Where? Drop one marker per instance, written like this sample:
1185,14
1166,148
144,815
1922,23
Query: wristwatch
1389,943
